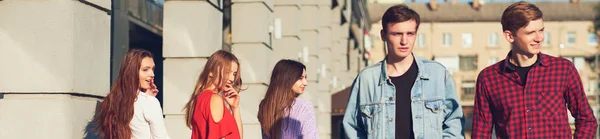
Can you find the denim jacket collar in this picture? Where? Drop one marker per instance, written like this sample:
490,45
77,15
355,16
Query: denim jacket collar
421,73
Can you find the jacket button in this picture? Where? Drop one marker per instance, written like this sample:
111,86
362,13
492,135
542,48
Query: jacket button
391,98
391,119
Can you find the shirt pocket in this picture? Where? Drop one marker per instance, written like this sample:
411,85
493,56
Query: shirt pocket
435,113
551,103
370,117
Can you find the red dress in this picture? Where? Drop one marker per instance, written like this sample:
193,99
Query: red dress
203,125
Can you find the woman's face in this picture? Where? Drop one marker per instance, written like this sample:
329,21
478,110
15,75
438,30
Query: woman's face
146,73
300,84
231,75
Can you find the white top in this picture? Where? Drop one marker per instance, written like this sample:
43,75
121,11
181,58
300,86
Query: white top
147,122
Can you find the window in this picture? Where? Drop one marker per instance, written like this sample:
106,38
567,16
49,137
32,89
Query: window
547,38
450,62
592,39
492,60
468,90
467,40
421,40
493,39
571,38
446,39
468,63
578,61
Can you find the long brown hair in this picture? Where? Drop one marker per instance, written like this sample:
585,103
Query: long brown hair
279,97
116,110
219,64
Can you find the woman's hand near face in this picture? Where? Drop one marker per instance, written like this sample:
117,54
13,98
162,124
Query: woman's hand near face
153,91
231,96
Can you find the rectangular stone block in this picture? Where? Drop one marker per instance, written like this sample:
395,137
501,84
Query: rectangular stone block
312,69
84,110
250,23
252,131
336,16
324,123
339,50
287,48
324,83
325,15
324,101
310,40
63,116
191,29
324,3
325,39
345,29
180,78
256,61
309,20
91,51
47,44
176,127
290,23
335,33
250,100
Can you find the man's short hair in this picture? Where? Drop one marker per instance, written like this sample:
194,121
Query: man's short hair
399,13
519,15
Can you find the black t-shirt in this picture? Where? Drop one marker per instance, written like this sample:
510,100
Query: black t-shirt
404,84
522,71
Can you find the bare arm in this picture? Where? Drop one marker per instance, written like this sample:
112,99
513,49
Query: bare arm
233,99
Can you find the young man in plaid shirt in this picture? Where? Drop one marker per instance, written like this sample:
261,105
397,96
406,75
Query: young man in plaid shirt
527,94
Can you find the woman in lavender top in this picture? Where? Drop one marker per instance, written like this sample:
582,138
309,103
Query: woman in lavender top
281,114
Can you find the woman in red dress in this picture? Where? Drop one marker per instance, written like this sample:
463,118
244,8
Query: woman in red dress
218,84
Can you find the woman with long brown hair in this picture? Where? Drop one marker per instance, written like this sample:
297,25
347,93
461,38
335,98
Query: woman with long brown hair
127,111
281,114
206,112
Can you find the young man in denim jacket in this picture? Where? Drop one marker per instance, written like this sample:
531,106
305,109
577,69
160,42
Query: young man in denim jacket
403,96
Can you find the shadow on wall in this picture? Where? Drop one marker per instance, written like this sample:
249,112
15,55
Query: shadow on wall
89,131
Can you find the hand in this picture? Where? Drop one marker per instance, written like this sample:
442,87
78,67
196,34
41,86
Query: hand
231,96
153,91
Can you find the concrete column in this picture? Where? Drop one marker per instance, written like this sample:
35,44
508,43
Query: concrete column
338,51
323,100
56,59
192,32
309,34
346,48
253,45
287,23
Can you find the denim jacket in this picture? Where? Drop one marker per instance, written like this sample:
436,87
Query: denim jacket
436,112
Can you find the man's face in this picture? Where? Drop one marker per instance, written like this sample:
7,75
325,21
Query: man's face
400,38
527,40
